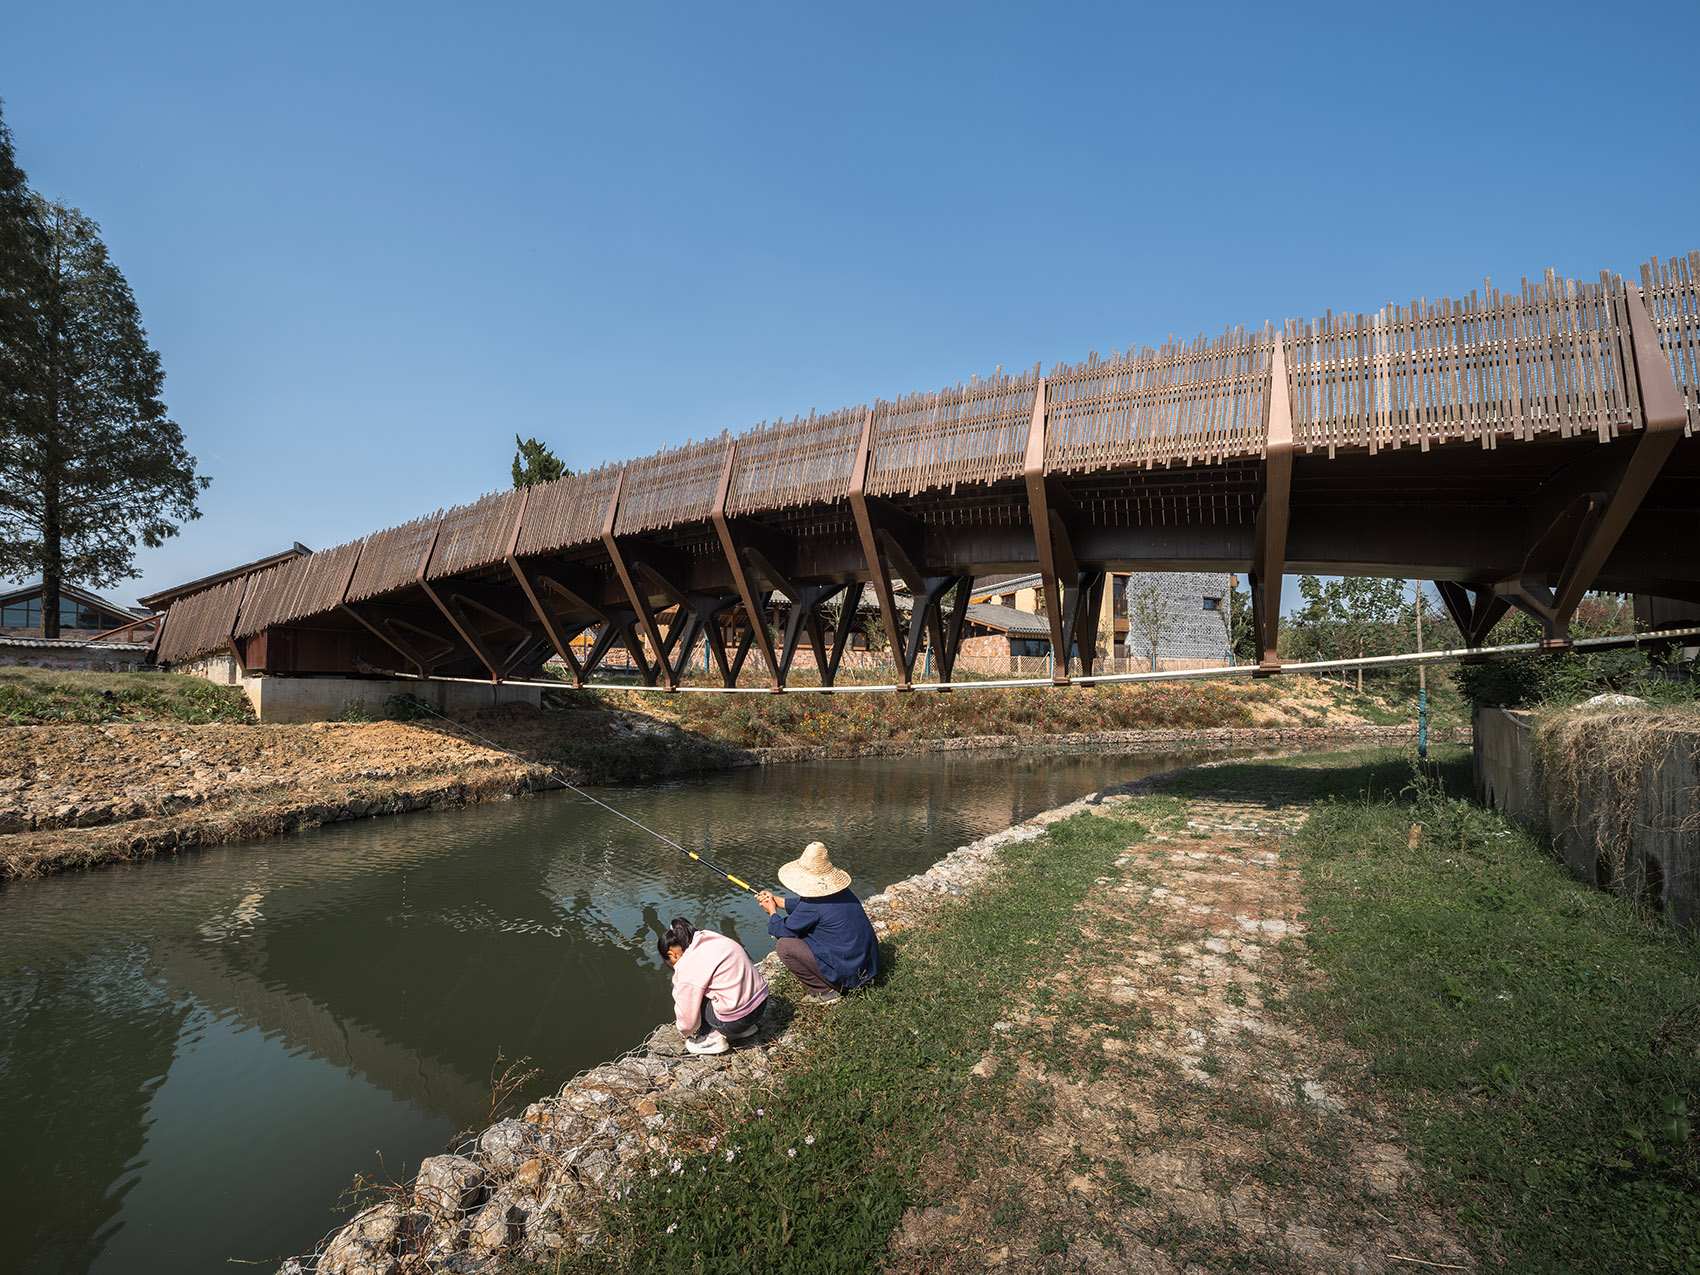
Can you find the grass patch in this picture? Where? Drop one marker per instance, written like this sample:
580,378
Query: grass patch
814,1175
38,697
753,721
1363,774
1540,1040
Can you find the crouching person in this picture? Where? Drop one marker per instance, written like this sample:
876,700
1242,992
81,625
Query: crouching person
718,993
825,938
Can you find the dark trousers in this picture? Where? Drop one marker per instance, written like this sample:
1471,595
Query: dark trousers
801,962
712,1022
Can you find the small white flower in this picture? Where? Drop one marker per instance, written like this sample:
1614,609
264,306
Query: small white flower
791,1151
810,1140
760,1112
654,1172
673,1227
729,1156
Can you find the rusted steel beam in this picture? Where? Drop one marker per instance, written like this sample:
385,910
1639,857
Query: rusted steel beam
745,636
947,630
878,576
754,609
399,628
509,613
1475,609
1615,491
401,648
1051,540
848,608
235,617
638,599
457,622
804,615
1082,607
697,615
1269,552
558,637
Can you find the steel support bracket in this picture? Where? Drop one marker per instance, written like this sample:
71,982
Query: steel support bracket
878,575
1590,522
459,623
754,608
1274,507
638,598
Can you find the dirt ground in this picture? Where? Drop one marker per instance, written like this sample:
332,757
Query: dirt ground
74,795
1173,1117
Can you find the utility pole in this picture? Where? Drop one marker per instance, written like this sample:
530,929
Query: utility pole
1422,684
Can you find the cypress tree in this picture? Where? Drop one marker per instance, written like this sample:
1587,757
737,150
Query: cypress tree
90,464
535,463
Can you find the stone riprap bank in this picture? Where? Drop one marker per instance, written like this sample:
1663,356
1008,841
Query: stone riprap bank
531,1187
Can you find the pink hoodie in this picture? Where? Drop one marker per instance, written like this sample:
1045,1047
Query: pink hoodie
716,967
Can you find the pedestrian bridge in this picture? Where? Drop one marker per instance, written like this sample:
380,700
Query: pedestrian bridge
1519,448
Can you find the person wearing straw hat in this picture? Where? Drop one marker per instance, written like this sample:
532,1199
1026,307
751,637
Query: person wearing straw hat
825,938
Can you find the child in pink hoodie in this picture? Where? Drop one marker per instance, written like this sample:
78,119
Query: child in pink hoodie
716,987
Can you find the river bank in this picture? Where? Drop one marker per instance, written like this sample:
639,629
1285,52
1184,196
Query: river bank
1243,1015
1087,1052
81,795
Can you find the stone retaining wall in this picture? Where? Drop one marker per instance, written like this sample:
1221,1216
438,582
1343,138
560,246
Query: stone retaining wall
1625,816
76,653
1167,739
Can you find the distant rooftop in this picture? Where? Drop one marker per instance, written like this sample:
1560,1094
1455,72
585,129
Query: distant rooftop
987,586
72,592
991,616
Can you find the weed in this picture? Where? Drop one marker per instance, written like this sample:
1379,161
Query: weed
1470,970
39,697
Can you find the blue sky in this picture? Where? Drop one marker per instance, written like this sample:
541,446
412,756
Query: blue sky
373,242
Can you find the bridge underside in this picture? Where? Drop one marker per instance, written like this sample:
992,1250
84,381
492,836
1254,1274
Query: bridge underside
1271,454
1458,515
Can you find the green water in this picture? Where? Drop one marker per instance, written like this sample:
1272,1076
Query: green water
197,1055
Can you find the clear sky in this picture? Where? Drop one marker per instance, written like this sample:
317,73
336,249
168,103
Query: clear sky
374,241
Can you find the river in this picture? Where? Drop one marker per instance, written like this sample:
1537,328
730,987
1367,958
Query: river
198,1054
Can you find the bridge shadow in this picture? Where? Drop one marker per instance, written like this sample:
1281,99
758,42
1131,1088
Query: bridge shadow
1372,774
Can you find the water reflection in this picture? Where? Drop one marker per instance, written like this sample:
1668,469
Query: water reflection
198,1054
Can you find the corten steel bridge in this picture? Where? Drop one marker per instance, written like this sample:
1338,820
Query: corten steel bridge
1517,448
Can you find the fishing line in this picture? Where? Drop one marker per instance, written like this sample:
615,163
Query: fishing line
557,777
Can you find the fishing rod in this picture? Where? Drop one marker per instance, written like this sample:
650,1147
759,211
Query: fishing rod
560,779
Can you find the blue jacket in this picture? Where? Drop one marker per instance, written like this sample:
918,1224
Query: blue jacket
838,933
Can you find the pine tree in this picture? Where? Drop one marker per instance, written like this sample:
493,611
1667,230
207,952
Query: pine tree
90,464
535,463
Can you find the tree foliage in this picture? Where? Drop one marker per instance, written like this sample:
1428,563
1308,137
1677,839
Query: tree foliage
1237,621
1348,618
535,463
1148,612
90,464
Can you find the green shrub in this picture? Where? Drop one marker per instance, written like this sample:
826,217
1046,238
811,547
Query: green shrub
407,708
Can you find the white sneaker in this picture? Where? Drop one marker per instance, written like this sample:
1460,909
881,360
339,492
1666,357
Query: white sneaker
712,1043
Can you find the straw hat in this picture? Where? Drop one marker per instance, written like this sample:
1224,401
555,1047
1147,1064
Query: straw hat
812,875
